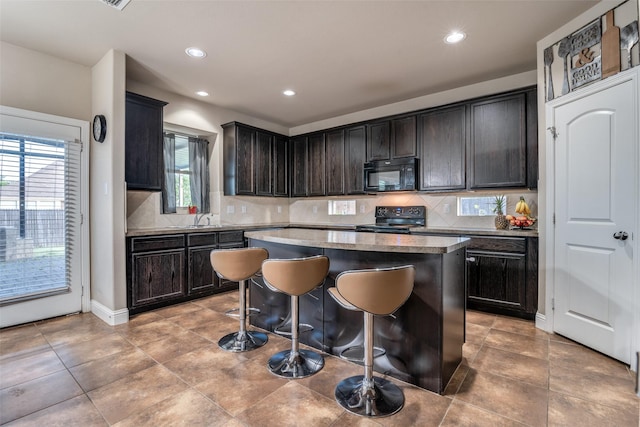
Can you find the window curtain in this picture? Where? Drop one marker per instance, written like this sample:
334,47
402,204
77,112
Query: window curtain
169,176
199,173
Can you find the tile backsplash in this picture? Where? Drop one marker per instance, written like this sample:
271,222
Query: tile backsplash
143,209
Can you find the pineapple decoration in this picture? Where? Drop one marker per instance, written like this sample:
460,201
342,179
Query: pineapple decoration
499,206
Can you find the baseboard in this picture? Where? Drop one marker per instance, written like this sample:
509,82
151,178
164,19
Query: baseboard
541,321
109,316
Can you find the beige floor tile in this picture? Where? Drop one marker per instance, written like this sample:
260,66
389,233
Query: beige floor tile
150,332
135,393
578,357
101,372
198,365
292,405
173,346
79,332
469,352
348,419
78,411
475,334
228,386
334,371
222,302
139,320
188,408
456,380
610,390
177,310
28,366
29,344
462,414
517,343
73,321
32,396
519,326
570,411
516,400
217,327
513,365
203,317
85,351
421,408
480,318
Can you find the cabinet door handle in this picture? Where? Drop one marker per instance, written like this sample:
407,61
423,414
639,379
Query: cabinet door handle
470,259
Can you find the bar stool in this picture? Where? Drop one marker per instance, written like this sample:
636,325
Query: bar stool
239,265
374,292
295,277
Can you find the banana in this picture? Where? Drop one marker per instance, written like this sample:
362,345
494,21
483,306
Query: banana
522,207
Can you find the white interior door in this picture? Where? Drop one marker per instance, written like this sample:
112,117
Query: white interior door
43,241
595,199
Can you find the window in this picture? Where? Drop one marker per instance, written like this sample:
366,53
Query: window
186,173
477,206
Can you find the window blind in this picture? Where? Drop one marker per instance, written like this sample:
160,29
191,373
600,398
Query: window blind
39,215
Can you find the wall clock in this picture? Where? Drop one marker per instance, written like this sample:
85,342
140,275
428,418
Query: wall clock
99,127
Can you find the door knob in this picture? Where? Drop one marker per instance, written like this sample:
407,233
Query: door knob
620,235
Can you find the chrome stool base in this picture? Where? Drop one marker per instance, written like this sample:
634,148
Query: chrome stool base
356,353
287,365
383,400
242,341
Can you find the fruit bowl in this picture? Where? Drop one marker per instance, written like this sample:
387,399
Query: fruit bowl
521,222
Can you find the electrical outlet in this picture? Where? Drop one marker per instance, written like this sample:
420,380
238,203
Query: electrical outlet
315,209
279,209
231,209
243,209
362,208
446,208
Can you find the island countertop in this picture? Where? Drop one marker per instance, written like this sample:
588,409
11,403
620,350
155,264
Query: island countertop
351,240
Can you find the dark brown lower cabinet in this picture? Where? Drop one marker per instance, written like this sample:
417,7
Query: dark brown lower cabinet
167,269
502,275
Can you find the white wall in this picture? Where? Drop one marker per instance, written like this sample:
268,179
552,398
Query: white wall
34,81
108,270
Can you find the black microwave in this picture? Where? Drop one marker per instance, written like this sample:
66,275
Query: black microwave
391,175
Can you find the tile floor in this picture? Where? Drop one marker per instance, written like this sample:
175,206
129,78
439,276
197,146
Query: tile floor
164,368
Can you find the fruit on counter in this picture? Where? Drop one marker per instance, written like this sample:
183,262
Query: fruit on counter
522,207
522,221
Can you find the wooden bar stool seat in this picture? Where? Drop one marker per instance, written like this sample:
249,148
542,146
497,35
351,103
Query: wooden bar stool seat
240,265
295,277
374,292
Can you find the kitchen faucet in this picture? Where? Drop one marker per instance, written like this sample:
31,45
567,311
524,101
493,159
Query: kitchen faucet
198,217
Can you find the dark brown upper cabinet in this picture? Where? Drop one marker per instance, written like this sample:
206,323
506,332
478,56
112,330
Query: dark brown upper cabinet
355,157
143,143
379,140
316,165
403,137
442,141
498,142
255,161
299,169
335,165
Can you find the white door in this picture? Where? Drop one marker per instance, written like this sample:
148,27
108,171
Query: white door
43,243
595,200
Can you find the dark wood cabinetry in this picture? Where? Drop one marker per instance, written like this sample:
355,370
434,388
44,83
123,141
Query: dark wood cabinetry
442,141
167,269
355,153
498,142
335,165
403,137
250,159
143,162
502,275
299,152
316,165
379,140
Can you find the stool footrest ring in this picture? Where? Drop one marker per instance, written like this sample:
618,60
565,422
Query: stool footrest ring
242,341
356,353
285,330
384,399
235,312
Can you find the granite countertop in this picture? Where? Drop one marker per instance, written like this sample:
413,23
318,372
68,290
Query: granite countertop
350,240
460,231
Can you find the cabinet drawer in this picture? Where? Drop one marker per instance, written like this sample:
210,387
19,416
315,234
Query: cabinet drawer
230,236
157,243
498,244
202,239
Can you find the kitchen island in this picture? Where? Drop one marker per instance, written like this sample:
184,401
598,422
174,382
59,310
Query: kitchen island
422,341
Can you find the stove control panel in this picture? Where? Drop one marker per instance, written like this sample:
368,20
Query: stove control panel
404,212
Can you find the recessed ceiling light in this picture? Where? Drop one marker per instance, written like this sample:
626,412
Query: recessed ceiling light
289,92
202,93
455,37
195,52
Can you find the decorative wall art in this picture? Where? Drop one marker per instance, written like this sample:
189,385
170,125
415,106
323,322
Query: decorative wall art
598,50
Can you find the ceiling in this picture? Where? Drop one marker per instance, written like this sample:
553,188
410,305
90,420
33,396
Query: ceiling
339,56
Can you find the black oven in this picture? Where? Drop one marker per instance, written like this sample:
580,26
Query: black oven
390,175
